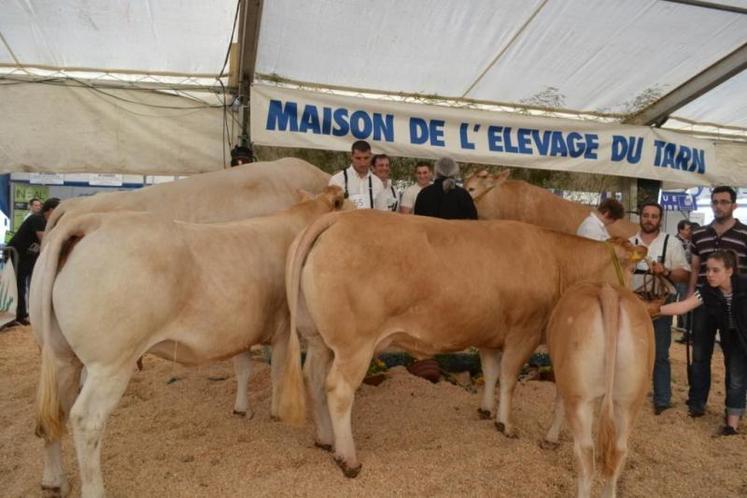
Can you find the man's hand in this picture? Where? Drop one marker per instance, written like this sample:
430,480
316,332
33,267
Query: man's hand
658,269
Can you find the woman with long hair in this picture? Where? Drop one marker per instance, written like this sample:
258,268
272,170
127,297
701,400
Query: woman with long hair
725,300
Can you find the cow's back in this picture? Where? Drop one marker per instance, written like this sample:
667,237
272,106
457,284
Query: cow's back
437,276
521,201
244,191
576,341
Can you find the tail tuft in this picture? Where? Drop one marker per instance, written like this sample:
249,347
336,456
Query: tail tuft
50,417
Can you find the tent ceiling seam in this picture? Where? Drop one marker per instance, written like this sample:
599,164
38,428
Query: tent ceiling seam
711,5
274,79
44,67
505,48
10,51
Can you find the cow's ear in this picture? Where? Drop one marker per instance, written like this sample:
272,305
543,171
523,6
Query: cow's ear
303,196
482,174
502,176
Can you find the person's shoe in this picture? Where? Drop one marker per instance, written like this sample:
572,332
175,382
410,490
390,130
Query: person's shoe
24,321
728,430
659,409
695,412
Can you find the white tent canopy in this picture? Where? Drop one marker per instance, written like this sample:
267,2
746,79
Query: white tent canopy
136,86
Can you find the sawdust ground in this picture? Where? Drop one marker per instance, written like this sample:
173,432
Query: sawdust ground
413,438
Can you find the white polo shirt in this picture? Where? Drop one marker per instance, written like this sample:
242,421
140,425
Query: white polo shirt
673,260
361,190
593,228
410,195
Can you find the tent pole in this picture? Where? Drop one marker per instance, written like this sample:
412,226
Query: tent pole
249,23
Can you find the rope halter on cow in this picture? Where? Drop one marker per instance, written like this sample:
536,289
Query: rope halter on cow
616,264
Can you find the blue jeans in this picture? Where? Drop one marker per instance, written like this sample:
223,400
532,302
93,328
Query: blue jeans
703,338
662,369
681,293
736,378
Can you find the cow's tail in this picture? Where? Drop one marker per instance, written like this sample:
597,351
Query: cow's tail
292,403
50,415
610,303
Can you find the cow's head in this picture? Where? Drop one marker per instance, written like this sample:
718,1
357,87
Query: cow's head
627,254
482,182
335,196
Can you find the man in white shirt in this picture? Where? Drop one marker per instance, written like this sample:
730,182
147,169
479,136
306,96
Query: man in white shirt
665,257
595,225
423,177
361,187
382,167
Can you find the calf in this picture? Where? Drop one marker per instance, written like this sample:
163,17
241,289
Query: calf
601,345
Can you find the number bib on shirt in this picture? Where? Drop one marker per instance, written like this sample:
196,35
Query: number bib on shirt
360,200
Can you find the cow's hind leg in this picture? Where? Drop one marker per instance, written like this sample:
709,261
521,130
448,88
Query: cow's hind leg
277,364
242,367
54,481
512,360
491,367
612,468
316,368
580,418
101,393
345,375
552,437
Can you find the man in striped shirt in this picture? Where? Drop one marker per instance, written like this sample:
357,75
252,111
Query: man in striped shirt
726,233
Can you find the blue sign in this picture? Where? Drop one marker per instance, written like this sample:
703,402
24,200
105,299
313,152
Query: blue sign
678,201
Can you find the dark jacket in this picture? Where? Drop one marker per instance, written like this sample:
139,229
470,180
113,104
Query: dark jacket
456,204
715,307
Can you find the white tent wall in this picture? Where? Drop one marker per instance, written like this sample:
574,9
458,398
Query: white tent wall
73,129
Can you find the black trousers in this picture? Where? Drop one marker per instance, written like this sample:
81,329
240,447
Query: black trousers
23,280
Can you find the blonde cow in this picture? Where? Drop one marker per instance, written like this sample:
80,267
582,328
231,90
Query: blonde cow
601,344
200,293
497,198
362,281
241,192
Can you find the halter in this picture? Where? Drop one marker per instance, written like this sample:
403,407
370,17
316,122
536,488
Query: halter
616,264
483,193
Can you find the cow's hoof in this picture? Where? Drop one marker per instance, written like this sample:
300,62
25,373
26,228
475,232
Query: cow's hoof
274,418
502,429
348,471
247,415
323,446
483,414
52,492
549,445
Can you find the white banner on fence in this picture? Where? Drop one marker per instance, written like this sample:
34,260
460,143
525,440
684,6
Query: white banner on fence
300,118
